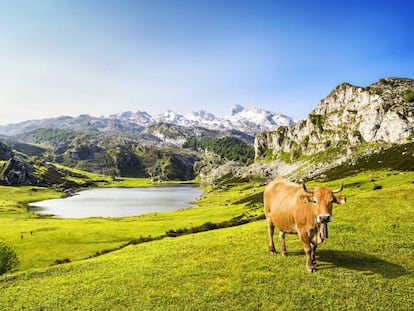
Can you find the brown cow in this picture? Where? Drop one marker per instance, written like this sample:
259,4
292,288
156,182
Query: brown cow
293,208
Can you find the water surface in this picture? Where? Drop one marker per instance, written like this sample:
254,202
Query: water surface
119,202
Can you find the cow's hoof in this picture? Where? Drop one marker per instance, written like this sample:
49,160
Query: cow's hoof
284,254
311,269
272,250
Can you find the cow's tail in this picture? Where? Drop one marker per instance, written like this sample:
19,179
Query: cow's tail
266,205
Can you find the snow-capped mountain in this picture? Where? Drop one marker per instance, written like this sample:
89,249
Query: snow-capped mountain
140,117
246,119
250,120
172,118
256,118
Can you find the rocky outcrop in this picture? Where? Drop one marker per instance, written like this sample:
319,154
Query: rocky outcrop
17,172
5,152
13,171
221,172
347,117
129,165
173,166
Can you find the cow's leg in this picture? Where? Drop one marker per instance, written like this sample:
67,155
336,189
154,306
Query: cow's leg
283,251
313,253
306,242
270,231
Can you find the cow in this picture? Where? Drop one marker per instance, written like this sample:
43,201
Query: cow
297,209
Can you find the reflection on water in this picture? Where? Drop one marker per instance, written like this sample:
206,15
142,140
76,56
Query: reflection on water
119,202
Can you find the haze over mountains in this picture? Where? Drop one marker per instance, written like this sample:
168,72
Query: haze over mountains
250,120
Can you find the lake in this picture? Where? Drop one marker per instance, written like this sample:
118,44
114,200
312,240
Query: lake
119,202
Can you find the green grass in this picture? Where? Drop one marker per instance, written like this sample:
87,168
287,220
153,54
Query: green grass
13,200
399,157
40,241
366,264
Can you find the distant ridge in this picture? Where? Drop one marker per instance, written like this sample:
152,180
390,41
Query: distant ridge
250,120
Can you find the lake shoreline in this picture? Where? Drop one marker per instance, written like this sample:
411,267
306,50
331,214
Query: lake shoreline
116,202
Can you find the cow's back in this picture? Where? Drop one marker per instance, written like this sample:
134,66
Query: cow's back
280,200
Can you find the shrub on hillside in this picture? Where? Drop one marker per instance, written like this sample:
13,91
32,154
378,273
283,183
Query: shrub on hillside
409,95
8,258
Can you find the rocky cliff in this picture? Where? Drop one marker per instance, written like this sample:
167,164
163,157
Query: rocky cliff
350,123
5,152
16,172
348,117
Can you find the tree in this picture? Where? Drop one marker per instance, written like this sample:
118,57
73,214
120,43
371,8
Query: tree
8,258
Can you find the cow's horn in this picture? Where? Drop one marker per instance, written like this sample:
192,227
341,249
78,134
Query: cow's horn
306,189
340,189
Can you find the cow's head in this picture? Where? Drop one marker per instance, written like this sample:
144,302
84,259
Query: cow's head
323,198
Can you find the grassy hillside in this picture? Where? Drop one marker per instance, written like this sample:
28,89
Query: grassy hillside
366,264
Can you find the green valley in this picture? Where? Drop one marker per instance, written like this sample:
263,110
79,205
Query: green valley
367,263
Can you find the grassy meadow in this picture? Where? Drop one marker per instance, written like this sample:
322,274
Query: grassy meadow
366,264
40,241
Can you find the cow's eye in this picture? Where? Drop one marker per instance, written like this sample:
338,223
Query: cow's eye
315,201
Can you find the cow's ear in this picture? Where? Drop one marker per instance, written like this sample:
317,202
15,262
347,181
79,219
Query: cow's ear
340,199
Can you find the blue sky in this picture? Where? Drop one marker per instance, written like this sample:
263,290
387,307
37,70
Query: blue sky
68,57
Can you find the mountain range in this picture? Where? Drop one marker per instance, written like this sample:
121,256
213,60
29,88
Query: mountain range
353,128
250,120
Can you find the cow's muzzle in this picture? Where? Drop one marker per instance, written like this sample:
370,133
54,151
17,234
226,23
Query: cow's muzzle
324,218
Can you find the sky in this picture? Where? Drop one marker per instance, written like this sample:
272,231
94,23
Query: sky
101,57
